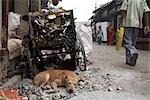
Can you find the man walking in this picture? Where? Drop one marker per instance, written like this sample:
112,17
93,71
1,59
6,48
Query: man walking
99,35
132,12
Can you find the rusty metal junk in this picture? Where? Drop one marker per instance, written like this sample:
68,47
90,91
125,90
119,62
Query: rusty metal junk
52,42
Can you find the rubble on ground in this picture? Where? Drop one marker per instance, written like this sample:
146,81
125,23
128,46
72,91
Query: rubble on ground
89,81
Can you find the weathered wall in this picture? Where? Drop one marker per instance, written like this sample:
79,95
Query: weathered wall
35,5
0,21
22,7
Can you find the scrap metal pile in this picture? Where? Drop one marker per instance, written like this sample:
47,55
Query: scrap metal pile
52,40
50,29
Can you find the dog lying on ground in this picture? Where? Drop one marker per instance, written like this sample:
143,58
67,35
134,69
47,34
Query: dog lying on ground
56,78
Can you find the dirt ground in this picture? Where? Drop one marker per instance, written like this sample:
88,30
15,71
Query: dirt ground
108,78
128,83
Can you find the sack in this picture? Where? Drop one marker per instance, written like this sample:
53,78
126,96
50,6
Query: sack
13,23
85,35
120,33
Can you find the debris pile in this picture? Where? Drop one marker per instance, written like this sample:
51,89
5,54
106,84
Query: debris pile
89,81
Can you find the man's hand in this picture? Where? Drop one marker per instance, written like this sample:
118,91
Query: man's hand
146,29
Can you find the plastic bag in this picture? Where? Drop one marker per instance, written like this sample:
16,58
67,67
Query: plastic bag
120,33
13,21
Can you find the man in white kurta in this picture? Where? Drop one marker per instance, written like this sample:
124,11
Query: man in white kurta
132,12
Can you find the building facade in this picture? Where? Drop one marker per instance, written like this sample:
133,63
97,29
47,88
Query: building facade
110,12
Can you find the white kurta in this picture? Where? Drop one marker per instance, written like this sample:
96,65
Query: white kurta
135,10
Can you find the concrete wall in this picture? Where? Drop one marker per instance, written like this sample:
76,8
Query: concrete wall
35,5
22,7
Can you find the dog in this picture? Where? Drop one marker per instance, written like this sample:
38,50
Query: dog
56,78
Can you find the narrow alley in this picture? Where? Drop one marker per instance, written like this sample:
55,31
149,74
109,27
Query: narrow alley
132,83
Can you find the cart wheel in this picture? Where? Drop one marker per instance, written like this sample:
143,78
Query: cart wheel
81,58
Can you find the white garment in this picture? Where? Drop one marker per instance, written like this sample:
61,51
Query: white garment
100,33
135,10
50,5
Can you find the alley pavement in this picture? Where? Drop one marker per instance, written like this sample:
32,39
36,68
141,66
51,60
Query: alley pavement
133,82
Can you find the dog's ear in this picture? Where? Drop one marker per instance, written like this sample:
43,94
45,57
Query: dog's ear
65,75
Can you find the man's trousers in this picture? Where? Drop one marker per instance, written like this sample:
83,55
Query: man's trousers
130,38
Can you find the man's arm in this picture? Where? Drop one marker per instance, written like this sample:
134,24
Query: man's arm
123,11
123,14
146,17
146,22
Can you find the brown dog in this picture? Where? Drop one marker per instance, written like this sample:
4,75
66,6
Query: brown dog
57,78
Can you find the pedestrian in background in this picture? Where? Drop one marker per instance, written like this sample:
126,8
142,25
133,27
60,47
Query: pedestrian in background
99,35
93,32
132,12
110,34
